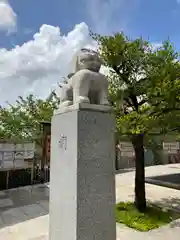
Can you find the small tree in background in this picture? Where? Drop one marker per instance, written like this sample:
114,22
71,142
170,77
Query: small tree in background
23,120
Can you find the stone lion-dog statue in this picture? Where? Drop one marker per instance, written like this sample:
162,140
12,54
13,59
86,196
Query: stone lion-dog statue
86,84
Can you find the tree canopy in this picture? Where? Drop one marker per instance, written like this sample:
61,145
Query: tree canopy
23,120
144,82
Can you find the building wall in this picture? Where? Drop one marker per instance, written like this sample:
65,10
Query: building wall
126,156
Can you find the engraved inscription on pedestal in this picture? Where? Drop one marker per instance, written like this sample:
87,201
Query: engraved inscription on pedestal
63,142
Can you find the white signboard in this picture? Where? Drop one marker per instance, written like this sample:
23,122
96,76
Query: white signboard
29,149
15,154
171,147
127,154
7,147
126,147
19,155
8,156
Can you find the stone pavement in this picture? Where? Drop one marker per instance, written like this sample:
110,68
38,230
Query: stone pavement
166,197
24,211
22,204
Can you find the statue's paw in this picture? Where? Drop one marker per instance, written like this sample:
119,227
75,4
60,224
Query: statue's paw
82,99
66,103
105,103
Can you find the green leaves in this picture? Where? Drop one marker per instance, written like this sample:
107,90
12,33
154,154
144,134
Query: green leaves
134,122
22,121
144,85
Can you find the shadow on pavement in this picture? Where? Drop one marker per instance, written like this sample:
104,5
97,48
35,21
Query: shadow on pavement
172,204
169,180
22,204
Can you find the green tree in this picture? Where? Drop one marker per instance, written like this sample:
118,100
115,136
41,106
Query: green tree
23,120
143,90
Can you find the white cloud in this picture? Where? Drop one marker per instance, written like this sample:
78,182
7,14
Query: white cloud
7,17
37,65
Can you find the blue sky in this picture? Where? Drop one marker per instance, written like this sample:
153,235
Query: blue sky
155,20
38,38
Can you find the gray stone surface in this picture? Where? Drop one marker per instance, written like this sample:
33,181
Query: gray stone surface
45,204
2,194
34,210
6,202
1,221
14,214
83,106
21,204
82,187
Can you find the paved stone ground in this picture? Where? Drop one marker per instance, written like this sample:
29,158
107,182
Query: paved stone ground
166,197
24,211
170,178
22,204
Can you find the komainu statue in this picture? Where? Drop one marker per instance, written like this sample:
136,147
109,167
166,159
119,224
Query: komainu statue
86,84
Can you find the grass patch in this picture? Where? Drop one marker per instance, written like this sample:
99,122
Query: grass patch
154,216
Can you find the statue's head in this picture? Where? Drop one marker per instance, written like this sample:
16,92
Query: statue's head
88,59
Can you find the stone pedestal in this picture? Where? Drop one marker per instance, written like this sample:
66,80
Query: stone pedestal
82,178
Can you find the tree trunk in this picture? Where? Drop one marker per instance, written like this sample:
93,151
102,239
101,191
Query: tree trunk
116,152
140,195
